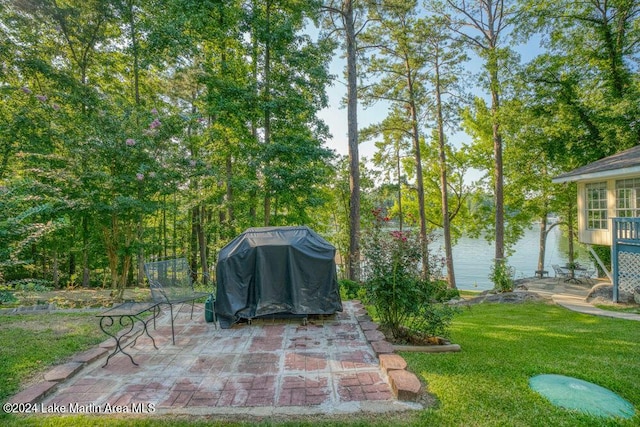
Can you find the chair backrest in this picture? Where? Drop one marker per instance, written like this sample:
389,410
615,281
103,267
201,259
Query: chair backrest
169,280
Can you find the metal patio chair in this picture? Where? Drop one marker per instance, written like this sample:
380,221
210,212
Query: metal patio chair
171,283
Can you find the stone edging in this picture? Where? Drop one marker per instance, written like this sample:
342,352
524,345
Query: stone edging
28,309
47,308
404,384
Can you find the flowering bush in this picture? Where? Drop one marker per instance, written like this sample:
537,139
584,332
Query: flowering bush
403,301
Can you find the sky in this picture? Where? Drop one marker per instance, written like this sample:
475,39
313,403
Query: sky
335,116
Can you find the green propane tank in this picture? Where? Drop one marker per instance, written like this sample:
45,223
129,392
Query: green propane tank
208,309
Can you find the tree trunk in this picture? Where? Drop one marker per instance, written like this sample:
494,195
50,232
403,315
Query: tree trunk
165,240
109,236
253,195
174,226
113,269
420,189
195,224
543,243
72,264
446,223
56,270
229,201
399,173
487,17
202,244
136,97
85,252
140,255
570,232
419,178
126,265
267,110
497,153
134,49
354,157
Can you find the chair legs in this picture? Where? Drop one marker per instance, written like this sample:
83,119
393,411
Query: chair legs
173,336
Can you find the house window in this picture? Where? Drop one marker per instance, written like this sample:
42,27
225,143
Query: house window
628,198
597,206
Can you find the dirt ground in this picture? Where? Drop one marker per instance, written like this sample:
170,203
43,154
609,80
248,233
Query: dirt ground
75,298
536,289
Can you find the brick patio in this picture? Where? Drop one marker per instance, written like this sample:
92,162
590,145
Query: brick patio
268,366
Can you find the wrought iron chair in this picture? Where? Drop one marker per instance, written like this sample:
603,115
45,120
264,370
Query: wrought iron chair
171,283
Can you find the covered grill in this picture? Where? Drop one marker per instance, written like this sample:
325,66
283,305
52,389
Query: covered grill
276,271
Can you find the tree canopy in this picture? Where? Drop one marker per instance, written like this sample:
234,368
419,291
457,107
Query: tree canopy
136,129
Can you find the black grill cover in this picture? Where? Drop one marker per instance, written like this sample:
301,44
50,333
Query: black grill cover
276,271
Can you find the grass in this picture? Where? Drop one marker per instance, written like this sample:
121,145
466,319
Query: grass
504,345
634,309
32,343
486,384
469,294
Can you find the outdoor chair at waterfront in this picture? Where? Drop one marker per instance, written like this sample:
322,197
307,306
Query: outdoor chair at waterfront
560,273
588,275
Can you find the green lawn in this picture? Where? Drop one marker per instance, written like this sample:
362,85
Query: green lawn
30,343
486,384
624,309
504,345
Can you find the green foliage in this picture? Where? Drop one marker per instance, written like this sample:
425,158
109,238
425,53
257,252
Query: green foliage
152,141
585,86
333,218
30,285
7,297
604,253
403,301
350,289
176,125
502,276
434,315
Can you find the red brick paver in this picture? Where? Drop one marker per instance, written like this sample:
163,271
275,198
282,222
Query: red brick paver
268,363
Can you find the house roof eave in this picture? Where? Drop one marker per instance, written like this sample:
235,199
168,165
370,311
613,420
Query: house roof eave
593,176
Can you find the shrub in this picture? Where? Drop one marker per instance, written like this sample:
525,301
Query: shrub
604,253
35,285
502,276
7,297
403,301
350,289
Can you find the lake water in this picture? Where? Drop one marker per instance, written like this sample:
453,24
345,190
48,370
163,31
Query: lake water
472,258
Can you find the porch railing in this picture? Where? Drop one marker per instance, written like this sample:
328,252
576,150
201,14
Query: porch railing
626,230
625,256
